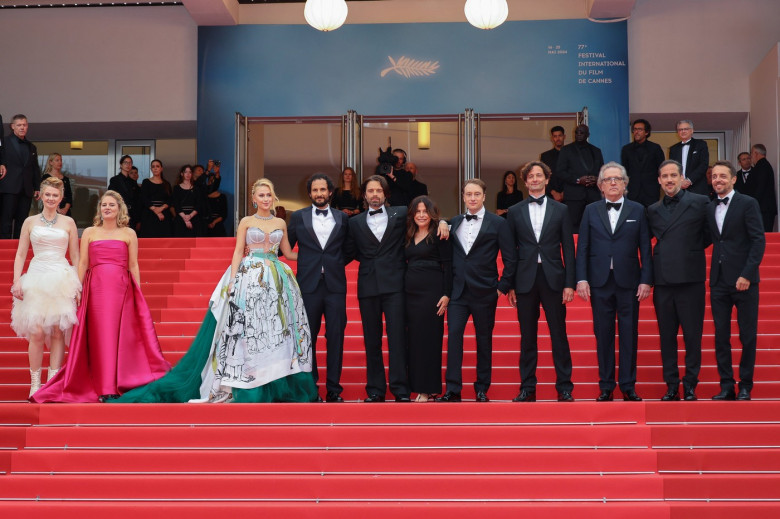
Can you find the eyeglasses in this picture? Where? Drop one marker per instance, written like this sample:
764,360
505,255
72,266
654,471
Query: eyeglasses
687,129
612,180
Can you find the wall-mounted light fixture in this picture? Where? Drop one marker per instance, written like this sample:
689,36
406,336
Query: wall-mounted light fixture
424,135
77,145
325,15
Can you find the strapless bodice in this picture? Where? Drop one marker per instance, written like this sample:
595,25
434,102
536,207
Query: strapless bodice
49,243
108,252
257,239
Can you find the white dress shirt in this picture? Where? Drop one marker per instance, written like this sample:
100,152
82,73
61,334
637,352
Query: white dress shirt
377,223
536,212
685,147
469,230
721,209
323,225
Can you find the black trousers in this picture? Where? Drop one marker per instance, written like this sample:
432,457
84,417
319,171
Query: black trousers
14,208
333,307
371,310
483,312
608,302
528,317
723,299
675,306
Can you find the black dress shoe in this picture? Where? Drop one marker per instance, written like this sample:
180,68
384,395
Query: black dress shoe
375,398
525,396
565,396
333,397
744,394
725,394
631,396
690,394
403,399
482,397
671,394
449,396
605,396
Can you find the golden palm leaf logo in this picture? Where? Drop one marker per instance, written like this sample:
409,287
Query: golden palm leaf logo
411,67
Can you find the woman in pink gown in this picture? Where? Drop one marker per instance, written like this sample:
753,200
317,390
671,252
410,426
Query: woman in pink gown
114,347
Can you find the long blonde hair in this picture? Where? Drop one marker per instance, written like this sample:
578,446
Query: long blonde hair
122,219
48,168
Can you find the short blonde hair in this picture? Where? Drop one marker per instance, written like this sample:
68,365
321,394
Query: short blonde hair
53,182
122,219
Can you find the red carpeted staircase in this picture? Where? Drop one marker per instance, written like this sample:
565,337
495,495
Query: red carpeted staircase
648,459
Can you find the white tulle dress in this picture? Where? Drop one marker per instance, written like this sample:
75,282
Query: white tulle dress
49,286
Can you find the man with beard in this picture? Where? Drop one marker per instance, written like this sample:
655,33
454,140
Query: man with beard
577,169
320,233
550,157
642,158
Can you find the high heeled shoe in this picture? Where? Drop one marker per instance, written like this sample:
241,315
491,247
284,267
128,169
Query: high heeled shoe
35,381
221,397
50,373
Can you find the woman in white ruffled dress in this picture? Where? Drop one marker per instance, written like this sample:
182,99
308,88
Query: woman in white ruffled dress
45,298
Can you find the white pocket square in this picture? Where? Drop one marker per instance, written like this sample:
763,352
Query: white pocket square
630,221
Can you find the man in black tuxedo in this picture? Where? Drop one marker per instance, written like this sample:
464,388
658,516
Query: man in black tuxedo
738,242
694,157
577,170
746,183
764,191
614,235
475,288
642,158
20,178
320,234
550,157
679,224
543,271
418,188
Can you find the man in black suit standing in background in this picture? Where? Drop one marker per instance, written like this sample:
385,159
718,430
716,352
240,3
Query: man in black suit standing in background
550,157
679,224
475,289
694,157
577,170
542,271
738,242
614,235
320,233
20,178
642,158
765,186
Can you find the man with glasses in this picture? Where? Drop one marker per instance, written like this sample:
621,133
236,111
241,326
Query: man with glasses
614,235
641,158
694,157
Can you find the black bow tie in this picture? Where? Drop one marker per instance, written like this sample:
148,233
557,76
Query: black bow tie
686,143
539,200
321,212
470,217
724,201
614,205
372,213
669,200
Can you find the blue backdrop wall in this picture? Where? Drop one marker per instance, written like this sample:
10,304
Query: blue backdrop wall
405,69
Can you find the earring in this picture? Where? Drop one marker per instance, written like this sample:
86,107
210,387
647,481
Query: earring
254,204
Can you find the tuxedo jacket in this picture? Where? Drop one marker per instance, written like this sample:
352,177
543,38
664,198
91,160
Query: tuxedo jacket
550,157
478,269
761,186
313,259
555,246
681,237
642,167
737,250
597,246
23,174
575,161
382,264
697,163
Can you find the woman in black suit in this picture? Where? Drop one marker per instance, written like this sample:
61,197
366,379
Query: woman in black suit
428,288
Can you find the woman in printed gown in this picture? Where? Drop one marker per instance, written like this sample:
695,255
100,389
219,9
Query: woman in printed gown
254,344
45,298
114,347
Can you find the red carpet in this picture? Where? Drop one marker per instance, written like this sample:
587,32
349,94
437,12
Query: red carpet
640,460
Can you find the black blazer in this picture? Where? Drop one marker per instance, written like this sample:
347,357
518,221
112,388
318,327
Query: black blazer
23,174
555,245
643,186
764,190
478,269
738,250
597,246
312,258
682,236
382,264
573,162
697,163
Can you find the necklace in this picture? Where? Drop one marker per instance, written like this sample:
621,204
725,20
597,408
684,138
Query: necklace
269,217
51,222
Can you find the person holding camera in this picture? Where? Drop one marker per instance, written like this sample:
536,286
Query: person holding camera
392,166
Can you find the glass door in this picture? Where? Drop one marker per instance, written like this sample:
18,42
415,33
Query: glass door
142,153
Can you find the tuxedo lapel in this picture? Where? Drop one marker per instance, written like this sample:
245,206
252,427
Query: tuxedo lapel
391,216
335,231
309,225
711,215
546,222
525,215
483,229
602,210
622,217
362,222
454,232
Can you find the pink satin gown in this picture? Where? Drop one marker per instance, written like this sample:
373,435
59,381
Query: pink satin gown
114,348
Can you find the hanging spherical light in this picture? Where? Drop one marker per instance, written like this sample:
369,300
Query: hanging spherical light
325,15
486,14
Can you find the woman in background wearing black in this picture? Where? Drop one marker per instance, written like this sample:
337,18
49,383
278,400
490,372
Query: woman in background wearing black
188,203
509,195
156,200
347,196
428,288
